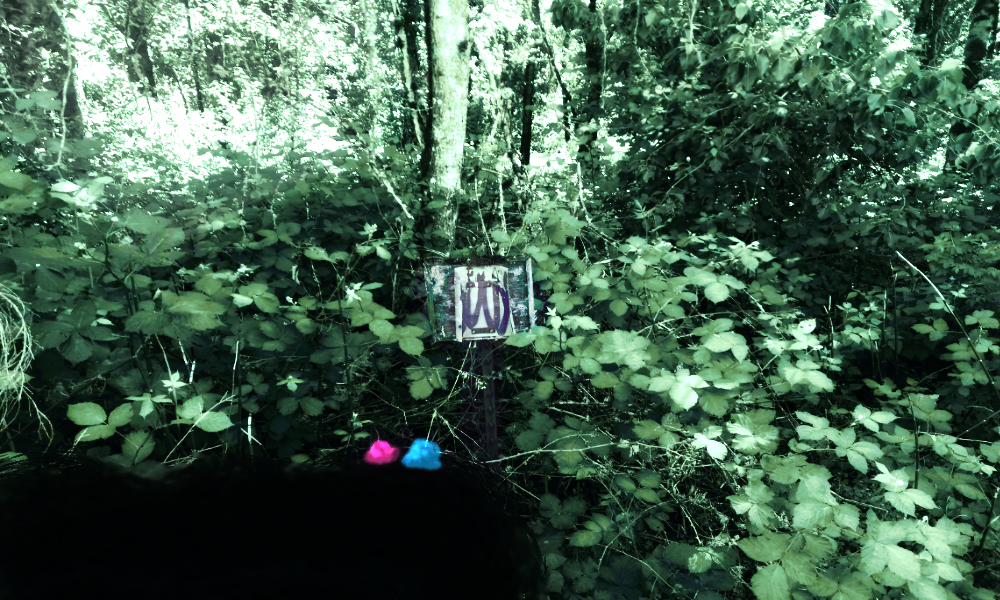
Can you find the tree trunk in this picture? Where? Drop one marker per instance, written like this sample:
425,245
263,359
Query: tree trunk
138,64
928,23
406,40
587,128
982,32
449,63
527,112
43,29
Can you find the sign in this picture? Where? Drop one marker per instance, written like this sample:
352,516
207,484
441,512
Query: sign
480,301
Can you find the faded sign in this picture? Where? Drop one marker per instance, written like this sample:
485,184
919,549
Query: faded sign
479,302
482,303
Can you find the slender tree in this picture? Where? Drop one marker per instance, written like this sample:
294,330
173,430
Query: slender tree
928,23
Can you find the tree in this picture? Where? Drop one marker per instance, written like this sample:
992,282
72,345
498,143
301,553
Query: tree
978,44
448,48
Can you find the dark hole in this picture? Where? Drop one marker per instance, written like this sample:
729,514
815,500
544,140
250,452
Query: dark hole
224,527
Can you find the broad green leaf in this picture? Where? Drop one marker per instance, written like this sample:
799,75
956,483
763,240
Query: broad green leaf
647,494
771,583
650,17
907,117
715,449
784,67
799,567
810,515
121,415
904,501
927,589
876,555
584,539
94,432
15,179
769,547
86,413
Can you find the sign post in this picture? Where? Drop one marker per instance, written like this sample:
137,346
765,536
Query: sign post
481,303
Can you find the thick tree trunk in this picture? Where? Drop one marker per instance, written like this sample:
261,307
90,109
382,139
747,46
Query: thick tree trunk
450,43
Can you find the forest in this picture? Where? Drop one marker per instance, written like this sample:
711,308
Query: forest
748,250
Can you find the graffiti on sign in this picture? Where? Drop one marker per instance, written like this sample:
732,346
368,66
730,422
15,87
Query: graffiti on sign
480,302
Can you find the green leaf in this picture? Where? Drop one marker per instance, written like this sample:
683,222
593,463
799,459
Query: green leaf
213,422
908,117
904,501
818,430
865,417
312,407
859,452
86,413
771,583
623,482
421,389
877,555
847,516
137,446
14,179
810,515
520,339
412,346
605,380
648,430
288,405
927,589
991,452
753,433
799,567
784,67
121,415
650,17
529,440
717,292
24,135
49,104
585,539
94,432
700,561
647,494
769,547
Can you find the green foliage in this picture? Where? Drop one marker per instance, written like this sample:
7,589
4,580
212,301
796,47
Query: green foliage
149,287
700,341
715,391
765,396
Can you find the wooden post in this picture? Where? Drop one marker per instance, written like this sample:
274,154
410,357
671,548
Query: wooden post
485,384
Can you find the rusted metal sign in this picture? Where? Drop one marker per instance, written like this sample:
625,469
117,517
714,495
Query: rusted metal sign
479,302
